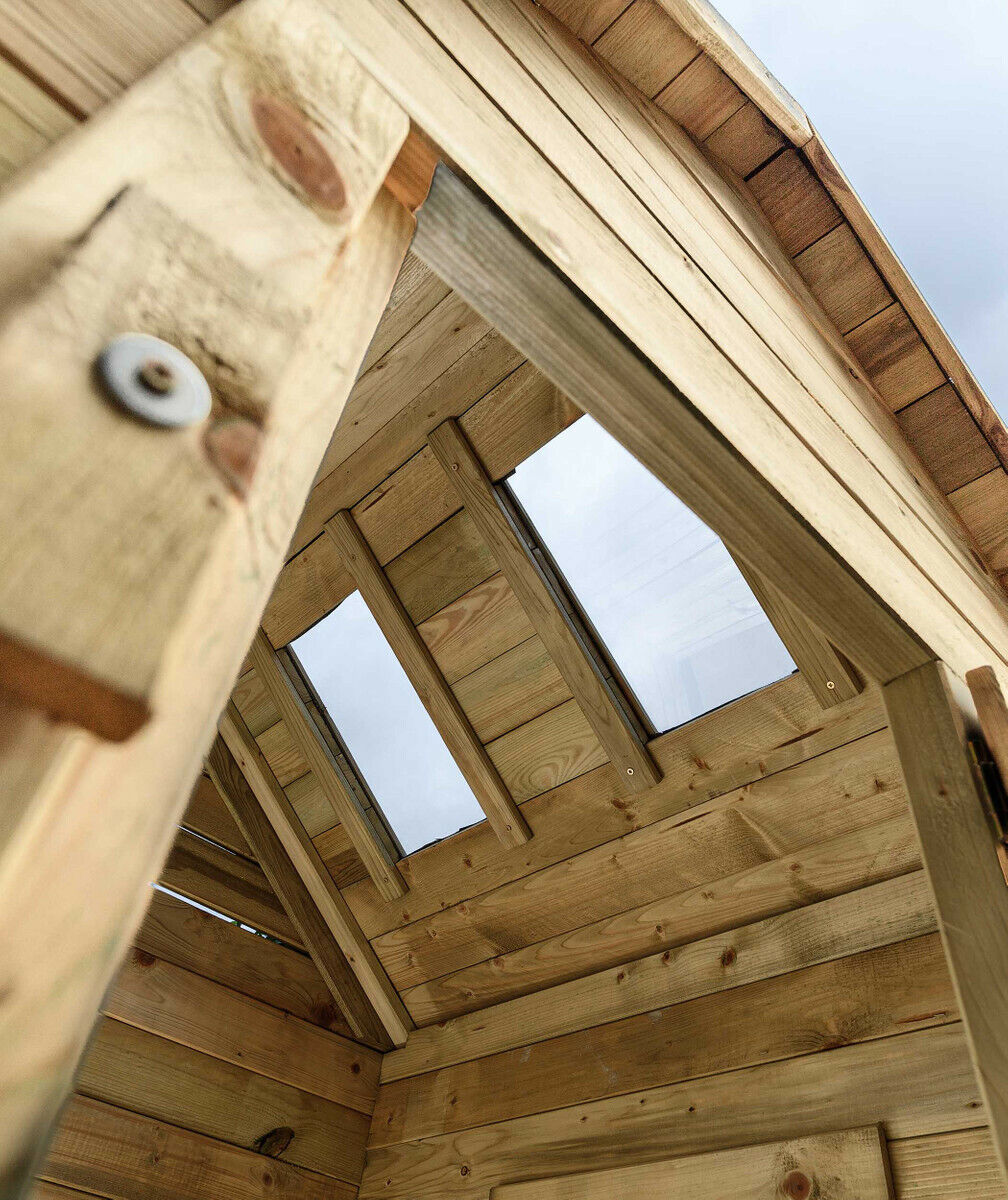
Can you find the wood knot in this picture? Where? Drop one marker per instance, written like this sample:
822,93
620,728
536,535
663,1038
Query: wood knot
142,959
728,956
233,446
298,151
797,1185
274,1143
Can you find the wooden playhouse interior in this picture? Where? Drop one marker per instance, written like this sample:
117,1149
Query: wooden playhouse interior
763,952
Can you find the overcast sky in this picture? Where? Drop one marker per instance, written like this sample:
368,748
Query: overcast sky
912,98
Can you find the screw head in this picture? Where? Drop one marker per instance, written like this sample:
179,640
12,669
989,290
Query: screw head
629,770
830,684
154,381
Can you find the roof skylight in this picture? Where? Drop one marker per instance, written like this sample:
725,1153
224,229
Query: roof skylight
383,724
662,592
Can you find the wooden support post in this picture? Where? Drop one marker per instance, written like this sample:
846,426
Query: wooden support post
589,687
931,717
437,697
301,728
311,870
829,673
146,555
318,938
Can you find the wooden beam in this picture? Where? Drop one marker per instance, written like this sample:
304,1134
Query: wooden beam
993,715
90,821
437,697
315,935
301,728
832,677
265,806
607,715
932,717
463,237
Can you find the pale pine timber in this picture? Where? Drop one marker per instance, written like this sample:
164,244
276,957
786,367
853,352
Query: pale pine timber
848,1165
98,812
589,687
338,948
315,753
931,716
437,697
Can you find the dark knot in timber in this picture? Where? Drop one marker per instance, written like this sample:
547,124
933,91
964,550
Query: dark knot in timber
298,151
797,1185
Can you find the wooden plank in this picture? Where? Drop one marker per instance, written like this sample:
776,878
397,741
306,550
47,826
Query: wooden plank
796,204
439,568
992,713
228,883
98,819
593,691
711,31
124,1156
832,678
946,1166
701,98
893,353
481,625
916,1083
175,1004
746,140
949,442
647,46
257,801
753,738
417,291
850,788
859,920
516,687
982,504
264,805
835,1166
548,751
29,120
166,1080
301,728
836,866
437,697
931,716
843,278
176,932
207,814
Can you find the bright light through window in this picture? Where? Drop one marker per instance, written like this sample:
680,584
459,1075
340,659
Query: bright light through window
380,718
661,590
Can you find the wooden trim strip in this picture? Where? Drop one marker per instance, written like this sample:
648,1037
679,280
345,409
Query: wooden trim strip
589,687
355,975
437,697
301,729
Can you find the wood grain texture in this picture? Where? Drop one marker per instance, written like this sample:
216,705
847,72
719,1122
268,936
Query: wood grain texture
589,687
301,728
838,1166
946,1166
931,715
992,713
436,696
207,815
258,803
949,441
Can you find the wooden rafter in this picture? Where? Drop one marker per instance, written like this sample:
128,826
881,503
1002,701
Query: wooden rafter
437,697
590,688
316,754
308,867
212,240
830,674
318,939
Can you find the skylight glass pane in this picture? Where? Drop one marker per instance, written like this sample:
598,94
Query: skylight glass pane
385,727
660,588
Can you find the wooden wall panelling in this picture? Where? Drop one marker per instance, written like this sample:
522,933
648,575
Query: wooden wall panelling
605,711
915,1084
753,737
112,816
948,440
302,730
511,690
946,1166
837,866
746,140
207,815
636,48
981,504
859,920
893,353
417,291
548,751
119,1154
835,1166
330,933
849,788
176,932
931,715
227,883
430,685
440,567
166,1080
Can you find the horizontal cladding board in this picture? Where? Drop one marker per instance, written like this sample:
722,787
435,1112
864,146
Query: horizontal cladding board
207,815
848,788
176,1004
839,866
754,737
859,920
176,932
157,1078
511,690
914,1083
947,1166
119,1154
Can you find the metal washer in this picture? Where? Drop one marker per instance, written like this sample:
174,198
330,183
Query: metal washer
186,402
